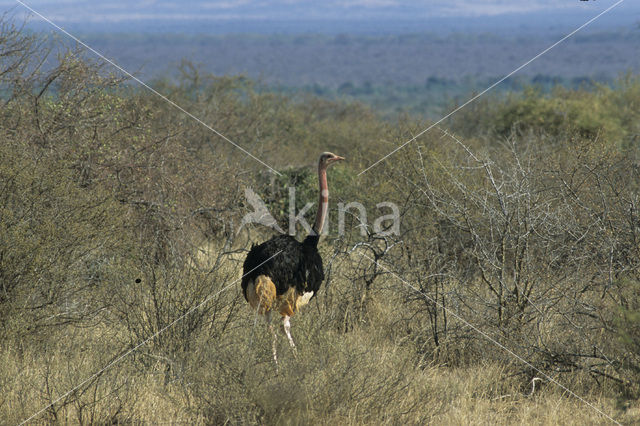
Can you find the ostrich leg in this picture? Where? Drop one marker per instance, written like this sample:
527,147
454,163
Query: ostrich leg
286,325
273,343
267,317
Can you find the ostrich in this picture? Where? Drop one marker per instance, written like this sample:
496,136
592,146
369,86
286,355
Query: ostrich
283,274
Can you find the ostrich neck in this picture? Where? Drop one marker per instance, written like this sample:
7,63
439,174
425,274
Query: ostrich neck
323,201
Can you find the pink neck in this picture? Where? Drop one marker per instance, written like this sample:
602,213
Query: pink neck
323,200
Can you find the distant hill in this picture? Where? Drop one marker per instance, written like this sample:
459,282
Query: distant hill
333,60
393,54
414,72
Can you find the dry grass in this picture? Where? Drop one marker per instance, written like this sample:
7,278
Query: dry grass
372,374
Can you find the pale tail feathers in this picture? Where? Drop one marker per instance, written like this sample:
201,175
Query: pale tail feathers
304,299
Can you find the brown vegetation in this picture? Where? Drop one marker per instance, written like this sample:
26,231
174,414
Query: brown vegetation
120,248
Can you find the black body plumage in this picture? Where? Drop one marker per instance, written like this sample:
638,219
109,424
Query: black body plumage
297,265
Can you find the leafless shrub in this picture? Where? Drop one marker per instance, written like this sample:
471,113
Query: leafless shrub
526,240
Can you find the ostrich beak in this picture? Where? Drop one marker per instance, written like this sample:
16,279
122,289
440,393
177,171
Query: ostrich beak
337,158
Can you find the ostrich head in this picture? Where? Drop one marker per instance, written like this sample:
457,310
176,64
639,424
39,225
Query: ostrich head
327,159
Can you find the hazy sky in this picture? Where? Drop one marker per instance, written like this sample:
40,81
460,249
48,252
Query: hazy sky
120,10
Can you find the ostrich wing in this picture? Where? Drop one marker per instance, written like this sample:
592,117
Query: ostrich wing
296,264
